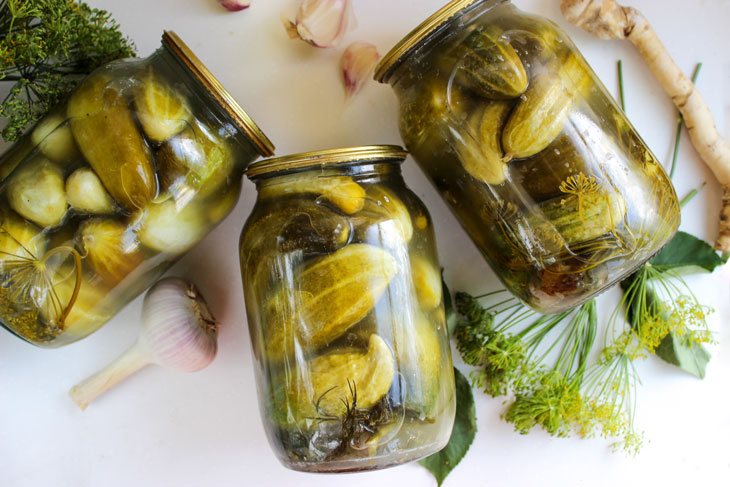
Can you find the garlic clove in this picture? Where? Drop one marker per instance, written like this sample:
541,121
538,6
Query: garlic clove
321,23
36,192
86,193
53,137
358,63
164,227
234,5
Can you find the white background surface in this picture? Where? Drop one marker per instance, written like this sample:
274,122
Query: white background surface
162,428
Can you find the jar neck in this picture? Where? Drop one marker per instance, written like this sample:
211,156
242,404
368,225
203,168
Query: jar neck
403,71
360,171
170,66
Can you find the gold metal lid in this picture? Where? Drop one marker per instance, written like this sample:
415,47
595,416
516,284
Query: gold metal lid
304,160
385,67
215,88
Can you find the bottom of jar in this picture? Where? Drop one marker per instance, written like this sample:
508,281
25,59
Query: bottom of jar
365,464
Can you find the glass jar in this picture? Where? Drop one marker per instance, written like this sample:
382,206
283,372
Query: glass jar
110,188
534,157
345,311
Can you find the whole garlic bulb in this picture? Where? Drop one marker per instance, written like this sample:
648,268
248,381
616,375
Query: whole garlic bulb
178,332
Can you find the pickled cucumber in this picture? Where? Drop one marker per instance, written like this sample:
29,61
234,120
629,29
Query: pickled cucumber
195,162
106,134
481,155
161,111
419,356
581,218
538,118
325,385
341,191
302,227
382,206
427,280
490,66
332,294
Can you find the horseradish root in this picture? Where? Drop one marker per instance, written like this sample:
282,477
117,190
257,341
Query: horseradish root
606,19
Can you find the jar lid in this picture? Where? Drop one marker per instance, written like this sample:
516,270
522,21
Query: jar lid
215,88
386,65
306,160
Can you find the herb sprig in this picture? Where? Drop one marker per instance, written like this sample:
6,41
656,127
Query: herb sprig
46,47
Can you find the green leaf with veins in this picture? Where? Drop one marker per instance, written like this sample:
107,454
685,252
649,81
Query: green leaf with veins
465,429
686,250
679,351
683,353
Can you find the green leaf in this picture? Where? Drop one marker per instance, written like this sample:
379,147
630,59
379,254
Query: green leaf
677,351
688,356
686,250
451,316
465,429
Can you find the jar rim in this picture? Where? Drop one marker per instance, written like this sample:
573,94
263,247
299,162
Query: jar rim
328,157
419,35
211,84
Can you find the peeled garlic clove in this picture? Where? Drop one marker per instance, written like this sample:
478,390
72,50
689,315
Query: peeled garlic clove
110,247
234,5
53,137
36,192
86,193
165,228
161,111
321,23
358,63
19,239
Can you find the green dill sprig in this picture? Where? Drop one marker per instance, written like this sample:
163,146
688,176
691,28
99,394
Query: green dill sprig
543,362
46,48
657,303
552,398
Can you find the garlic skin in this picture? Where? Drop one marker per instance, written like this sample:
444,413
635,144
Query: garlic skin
177,326
234,5
358,63
321,23
178,332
